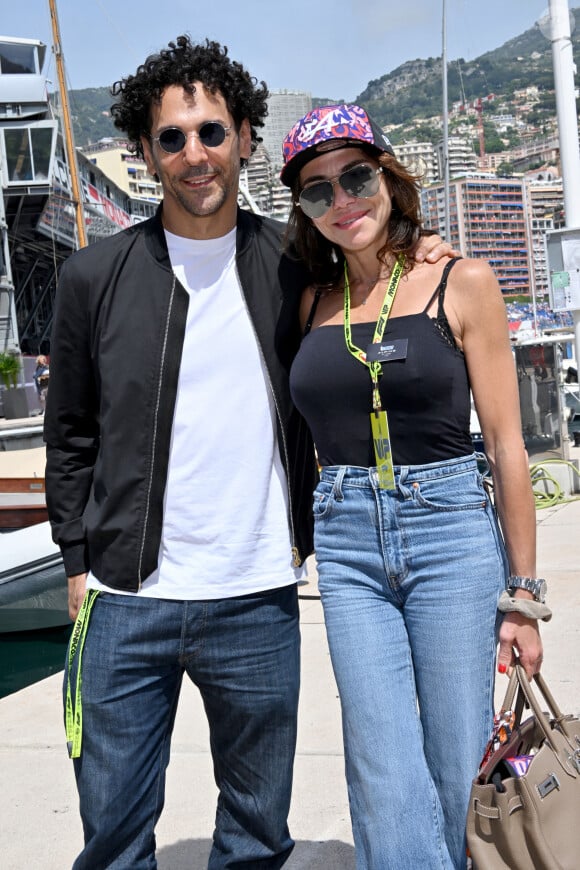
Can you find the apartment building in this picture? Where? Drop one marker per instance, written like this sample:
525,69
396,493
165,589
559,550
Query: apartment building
257,178
281,201
544,208
285,107
491,162
488,222
125,169
462,158
420,159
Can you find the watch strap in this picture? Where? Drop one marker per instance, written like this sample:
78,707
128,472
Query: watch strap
536,585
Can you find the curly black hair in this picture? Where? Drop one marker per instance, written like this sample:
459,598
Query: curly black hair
183,63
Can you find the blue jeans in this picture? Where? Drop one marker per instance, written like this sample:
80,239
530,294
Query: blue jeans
409,581
243,654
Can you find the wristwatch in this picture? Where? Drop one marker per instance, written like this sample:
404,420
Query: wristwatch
536,586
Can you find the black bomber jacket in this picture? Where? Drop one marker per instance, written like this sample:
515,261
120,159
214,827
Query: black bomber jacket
116,350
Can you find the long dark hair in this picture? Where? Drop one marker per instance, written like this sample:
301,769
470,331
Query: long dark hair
326,260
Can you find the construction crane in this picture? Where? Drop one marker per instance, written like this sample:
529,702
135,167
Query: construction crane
477,107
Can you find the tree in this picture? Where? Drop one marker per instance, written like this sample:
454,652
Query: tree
505,169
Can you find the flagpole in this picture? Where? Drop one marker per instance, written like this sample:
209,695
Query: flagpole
447,233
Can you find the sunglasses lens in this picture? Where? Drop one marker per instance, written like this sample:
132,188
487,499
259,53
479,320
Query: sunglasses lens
316,199
172,140
361,181
212,134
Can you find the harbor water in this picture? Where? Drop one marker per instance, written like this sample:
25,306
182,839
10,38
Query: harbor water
29,656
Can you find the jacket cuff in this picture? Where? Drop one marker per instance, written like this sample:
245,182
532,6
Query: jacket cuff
75,559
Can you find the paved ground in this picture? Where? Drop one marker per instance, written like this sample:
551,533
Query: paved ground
39,827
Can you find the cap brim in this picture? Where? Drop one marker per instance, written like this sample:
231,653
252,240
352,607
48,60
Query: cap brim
292,169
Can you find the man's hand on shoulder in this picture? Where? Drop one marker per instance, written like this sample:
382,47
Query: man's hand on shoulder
432,248
77,586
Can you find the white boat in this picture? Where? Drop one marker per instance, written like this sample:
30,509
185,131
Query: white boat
22,489
33,587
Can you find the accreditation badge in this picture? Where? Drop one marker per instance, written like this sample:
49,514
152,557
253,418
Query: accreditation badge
382,447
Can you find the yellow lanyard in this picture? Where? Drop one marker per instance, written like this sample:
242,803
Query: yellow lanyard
74,712
379,421
375,368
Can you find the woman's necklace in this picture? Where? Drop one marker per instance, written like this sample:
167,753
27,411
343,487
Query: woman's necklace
370,286
367,292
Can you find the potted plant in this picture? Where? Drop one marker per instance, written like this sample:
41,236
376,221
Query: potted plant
14,401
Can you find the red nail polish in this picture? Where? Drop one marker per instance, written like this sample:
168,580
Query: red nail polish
502,668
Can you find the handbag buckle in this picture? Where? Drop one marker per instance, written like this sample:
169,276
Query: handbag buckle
548,785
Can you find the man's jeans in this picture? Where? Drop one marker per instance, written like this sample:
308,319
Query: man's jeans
409,581
244,656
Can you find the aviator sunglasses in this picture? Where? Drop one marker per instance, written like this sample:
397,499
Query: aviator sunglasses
361,181
211,134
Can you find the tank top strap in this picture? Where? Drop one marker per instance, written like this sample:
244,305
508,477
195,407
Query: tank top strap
440,320
440,288
312,312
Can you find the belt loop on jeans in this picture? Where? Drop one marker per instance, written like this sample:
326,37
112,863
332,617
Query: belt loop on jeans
404,490
337,486
482,463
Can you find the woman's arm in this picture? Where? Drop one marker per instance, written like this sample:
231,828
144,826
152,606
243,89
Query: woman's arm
480,313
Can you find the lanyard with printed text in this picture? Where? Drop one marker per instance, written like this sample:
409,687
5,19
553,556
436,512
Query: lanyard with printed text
74,708
379,422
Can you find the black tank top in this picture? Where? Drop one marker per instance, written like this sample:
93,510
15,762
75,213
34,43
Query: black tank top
426,395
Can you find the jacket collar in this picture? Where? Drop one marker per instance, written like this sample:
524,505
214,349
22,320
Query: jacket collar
155,238
246,227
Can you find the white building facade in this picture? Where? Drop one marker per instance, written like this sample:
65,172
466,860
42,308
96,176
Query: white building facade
285,107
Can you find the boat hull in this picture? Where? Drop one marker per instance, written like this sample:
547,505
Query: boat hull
33,584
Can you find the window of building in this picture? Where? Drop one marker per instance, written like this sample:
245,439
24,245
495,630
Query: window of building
29,152
17,59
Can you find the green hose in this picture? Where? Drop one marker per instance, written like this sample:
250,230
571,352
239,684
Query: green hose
551,493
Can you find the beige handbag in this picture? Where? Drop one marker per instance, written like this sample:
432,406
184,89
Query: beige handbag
524,810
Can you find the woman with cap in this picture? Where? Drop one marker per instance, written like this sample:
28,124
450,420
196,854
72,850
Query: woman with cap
410,558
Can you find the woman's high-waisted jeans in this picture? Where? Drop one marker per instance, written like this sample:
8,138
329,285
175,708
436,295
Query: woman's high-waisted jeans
409,581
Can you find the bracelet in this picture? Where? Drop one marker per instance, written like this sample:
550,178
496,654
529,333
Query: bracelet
528,608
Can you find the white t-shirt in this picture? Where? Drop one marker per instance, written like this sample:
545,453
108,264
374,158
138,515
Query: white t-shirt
225,522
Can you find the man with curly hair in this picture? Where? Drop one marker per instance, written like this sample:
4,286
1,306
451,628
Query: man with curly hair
179,477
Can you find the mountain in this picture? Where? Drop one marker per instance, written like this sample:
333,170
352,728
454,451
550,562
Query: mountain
91,118
410,93
414,90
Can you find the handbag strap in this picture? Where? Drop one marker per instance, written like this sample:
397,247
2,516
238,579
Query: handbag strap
542,686
570,760
508,701
516,682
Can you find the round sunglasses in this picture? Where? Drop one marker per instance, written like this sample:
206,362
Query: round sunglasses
211,134
361,181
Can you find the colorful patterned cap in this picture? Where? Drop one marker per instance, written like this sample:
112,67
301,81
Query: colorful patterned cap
349,124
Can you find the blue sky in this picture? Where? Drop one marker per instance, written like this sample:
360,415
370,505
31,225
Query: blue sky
331,48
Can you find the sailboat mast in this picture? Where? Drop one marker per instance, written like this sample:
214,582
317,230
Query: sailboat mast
67,130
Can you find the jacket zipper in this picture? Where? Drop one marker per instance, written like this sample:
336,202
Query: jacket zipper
154,442
296,560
